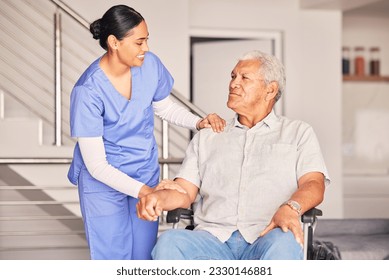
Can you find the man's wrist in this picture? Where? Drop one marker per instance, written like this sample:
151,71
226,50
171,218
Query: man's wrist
294,205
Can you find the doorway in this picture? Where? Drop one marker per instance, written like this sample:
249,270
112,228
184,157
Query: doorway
214,54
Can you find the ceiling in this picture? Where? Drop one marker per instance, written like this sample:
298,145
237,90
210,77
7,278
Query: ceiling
374,8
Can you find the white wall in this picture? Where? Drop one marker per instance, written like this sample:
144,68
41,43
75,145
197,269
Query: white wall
167,23
311,55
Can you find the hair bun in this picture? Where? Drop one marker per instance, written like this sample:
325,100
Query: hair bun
95,29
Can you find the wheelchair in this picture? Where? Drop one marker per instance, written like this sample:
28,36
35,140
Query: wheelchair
313,250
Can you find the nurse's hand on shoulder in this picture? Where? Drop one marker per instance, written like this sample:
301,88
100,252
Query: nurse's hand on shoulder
213,121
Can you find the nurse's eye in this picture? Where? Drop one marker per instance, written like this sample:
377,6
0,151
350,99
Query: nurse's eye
140,43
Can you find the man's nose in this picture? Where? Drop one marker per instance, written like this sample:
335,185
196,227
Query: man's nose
234,83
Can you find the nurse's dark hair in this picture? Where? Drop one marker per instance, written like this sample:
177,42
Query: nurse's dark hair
117,21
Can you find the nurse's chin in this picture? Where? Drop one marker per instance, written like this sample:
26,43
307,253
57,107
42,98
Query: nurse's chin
138,62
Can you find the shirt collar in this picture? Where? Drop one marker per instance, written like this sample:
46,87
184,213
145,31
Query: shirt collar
270,121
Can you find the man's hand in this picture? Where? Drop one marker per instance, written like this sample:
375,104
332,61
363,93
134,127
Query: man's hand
148,207
212,121
286,219
168,195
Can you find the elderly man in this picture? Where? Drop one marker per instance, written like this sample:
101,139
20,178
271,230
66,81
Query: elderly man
253,180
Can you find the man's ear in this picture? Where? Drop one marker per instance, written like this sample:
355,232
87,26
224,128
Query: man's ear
272,90
112,42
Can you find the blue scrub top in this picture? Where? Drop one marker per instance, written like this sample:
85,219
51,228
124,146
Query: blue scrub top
127,126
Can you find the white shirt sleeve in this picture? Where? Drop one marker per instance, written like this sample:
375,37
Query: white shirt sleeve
95,159
170,111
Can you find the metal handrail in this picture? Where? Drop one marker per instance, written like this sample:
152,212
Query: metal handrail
36,160
68,160
58,64
61,5
164,161
58,129
58,79
35,188
196,110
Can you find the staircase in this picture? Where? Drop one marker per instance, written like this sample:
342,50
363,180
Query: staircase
39,211
39,208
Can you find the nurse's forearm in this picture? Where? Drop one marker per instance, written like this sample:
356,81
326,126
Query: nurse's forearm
167,110
93,153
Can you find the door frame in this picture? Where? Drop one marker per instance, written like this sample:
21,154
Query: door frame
217,34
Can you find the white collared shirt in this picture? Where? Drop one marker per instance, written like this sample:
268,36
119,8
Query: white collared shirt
245,174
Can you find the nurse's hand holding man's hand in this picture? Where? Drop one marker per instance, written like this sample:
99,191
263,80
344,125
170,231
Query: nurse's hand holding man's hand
167,184
149,208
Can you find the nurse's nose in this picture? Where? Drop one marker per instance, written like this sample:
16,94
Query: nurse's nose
145,46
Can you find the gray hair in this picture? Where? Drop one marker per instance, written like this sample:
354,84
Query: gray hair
271,69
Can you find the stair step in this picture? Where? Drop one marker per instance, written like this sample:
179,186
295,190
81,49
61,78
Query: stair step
44,247
41,225
57,253
32,210
28,218
37,202
44,174
27,150
41,233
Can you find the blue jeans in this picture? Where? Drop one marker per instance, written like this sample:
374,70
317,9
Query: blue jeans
180,244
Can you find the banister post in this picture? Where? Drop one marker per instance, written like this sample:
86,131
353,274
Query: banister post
58,82
165,149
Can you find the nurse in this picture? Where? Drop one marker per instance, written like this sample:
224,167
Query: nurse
115,160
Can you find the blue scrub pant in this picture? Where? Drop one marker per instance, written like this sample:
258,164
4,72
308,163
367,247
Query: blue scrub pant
201,245
113,230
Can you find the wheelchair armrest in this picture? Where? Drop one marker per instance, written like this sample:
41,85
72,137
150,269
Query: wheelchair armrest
309,220
174,216
310,215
